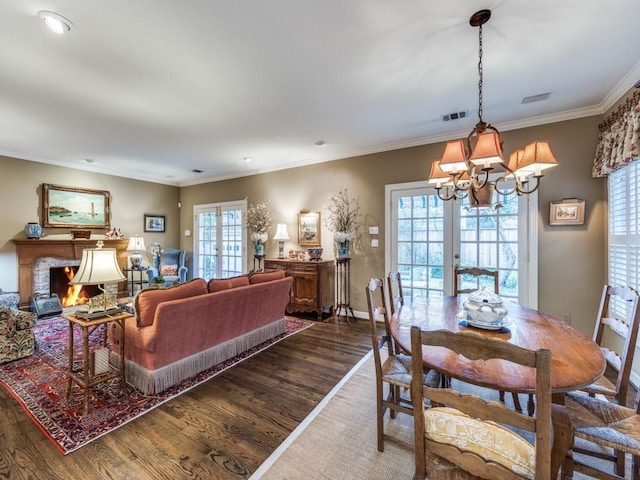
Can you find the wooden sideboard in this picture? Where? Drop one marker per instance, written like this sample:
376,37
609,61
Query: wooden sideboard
313,284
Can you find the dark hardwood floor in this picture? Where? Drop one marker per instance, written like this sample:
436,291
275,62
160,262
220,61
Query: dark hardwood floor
222,429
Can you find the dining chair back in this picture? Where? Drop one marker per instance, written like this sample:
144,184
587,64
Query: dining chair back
481,277
392,369
468,434
618,312
396,297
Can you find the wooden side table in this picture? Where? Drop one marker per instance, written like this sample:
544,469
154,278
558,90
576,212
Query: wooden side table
82,376
343,289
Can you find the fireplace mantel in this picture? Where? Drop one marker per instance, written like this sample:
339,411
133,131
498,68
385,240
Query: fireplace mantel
31,250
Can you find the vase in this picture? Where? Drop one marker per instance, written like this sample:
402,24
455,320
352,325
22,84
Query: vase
259,248
343,249
33,230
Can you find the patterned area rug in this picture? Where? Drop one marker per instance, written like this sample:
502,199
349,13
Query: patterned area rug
38,383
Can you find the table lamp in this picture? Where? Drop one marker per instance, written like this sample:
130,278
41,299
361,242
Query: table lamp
281,235
135,246
98,267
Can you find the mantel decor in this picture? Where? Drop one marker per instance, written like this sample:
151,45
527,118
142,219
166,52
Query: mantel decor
568,211
65,207
309,228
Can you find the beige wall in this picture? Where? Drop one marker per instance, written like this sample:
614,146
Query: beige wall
571,259
20,182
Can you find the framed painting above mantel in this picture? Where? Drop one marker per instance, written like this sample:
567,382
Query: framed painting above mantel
66,207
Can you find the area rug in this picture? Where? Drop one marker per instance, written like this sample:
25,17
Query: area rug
338,439
39,384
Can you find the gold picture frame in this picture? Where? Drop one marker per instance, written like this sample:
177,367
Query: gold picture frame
568,211
309,228
69,207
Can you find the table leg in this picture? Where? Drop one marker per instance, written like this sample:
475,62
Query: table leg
123,370
70,346
85,368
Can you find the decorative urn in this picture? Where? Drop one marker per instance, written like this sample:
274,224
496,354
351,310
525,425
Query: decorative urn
33,230
484,306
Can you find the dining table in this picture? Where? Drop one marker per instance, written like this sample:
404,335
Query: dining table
576,360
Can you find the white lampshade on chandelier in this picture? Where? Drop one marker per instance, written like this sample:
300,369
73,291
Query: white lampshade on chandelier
135,247
99,266
464,169
281,235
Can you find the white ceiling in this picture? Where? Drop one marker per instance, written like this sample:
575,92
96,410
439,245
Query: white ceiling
153,89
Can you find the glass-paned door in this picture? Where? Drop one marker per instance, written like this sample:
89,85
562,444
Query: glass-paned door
427,237
220,240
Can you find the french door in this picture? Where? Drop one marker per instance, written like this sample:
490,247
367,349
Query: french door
427,237
220,240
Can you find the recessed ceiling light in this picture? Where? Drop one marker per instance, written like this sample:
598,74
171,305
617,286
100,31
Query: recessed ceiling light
320,143
196,170
56,23
536,98
247,159
89,160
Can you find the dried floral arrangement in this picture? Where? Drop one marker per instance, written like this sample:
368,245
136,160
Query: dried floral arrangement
343,215
259,221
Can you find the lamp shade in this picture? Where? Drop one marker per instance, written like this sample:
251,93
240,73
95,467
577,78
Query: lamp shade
281,232
136,244
98,265
454,158
537,157
487,150
437,176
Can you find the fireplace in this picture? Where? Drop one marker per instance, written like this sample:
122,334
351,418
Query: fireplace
69,295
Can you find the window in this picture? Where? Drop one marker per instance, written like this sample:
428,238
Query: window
624,228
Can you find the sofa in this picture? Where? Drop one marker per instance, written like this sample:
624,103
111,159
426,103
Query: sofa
16,334
188,328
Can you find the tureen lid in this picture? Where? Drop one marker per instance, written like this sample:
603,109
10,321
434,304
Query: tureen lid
485,296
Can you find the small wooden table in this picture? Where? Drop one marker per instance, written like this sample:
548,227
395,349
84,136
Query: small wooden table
576,360
82,376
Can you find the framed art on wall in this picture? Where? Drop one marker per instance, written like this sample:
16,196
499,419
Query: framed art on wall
568,211
153,223
66,207
309,228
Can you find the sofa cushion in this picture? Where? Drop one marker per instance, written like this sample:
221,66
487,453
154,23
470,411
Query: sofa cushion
219,284
148,299
168,270
266,276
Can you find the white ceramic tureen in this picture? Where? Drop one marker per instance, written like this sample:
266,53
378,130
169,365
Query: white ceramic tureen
484,306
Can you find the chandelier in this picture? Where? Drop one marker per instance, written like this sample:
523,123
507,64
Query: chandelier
464,169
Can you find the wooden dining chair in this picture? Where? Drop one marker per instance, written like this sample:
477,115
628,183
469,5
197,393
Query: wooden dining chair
465,433
478,273
610,425
396,297
619,312
392,369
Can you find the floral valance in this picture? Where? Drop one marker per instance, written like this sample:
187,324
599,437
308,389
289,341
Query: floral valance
619,138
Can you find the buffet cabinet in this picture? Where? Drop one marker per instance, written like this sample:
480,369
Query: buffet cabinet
313,284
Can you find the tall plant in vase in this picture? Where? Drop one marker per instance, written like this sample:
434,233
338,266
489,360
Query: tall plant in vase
343,221
259,222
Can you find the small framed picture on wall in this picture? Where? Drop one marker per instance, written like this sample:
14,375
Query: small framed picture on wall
153,223
568,211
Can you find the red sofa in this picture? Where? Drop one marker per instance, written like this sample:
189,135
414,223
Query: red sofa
183,330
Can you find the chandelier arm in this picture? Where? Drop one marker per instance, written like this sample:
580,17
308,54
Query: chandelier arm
455,178
446,198
507,191
520,186
474,178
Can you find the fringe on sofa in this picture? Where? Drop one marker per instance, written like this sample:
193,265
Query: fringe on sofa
150,382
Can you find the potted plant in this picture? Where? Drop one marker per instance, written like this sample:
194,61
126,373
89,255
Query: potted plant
259,222
343,220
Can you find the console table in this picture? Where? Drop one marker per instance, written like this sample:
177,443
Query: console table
313,284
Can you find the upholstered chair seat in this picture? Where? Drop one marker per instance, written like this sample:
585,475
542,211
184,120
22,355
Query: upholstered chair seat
16,334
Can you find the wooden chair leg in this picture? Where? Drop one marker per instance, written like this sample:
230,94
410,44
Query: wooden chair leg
516,402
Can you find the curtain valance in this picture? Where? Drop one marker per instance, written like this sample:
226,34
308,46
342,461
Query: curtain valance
619,138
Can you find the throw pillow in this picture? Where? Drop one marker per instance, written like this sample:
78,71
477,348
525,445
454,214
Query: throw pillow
219,284
168,270
266,277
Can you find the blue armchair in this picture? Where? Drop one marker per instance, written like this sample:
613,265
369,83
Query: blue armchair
170,265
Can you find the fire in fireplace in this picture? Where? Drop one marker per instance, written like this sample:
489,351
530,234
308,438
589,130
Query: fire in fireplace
70,295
